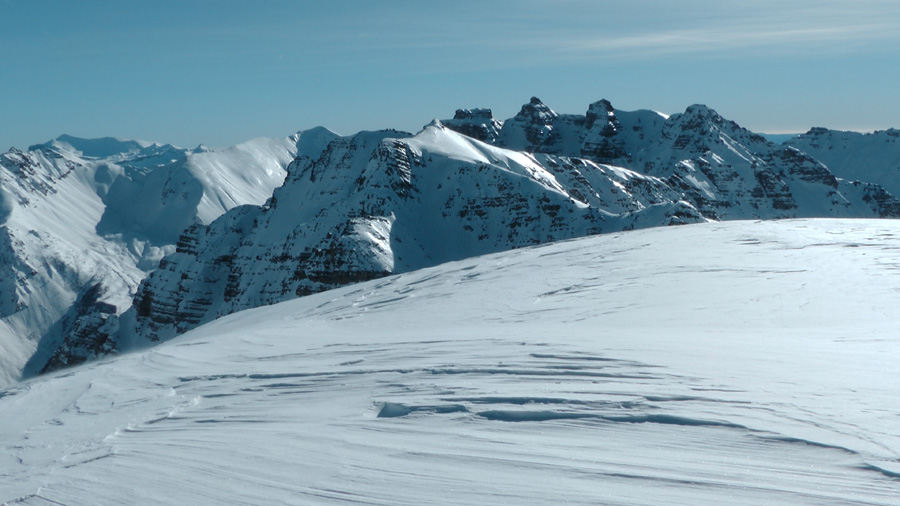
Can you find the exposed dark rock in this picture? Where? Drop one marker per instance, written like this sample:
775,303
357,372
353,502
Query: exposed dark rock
475,123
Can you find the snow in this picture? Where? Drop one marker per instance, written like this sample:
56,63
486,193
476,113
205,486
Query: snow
443,142
738,363
228,183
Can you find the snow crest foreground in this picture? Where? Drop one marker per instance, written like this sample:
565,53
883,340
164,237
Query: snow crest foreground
738,363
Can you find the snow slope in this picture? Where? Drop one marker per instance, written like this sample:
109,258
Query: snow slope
719,363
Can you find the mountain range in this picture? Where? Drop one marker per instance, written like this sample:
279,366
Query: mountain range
110,245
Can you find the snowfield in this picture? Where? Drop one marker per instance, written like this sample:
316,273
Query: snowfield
720,363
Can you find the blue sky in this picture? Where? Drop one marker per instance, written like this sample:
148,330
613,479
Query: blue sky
221,72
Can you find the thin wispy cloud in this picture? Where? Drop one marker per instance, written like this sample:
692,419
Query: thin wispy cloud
580,29
576,31
723,39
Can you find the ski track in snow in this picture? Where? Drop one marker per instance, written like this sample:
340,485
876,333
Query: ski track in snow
735,363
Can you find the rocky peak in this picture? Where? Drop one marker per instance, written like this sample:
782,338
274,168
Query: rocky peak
478,113
35,171
817,131
600,143
698,116
538,129
600,110
855,156
475,123
536,113
376,203
18,162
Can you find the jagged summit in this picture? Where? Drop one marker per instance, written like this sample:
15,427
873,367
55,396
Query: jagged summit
702,117
385,202
601,110
702,110
476,123
537,128
374,204
536,111
482,114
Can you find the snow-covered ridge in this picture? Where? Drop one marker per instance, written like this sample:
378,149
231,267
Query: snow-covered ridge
740,363
722,169
82,221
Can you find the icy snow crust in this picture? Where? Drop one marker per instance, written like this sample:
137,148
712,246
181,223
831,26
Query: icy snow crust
736,363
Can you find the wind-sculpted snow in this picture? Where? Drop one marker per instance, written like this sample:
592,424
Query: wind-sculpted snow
720,363
82,221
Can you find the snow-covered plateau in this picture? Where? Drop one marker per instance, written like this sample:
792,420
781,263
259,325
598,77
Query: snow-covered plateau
747,362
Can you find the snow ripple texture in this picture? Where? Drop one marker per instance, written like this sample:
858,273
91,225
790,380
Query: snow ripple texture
721,363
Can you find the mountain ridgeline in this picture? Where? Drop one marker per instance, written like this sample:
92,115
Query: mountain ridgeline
372,204
83,221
